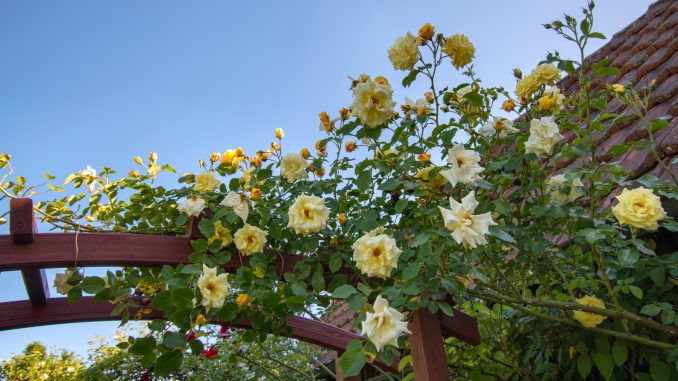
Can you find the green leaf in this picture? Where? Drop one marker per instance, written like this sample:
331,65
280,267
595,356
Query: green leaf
409,78
650,310
636,291
168,363
604,364
174,340
353,360
659,370
584,366
206,227
411,271
628,256
597,35
401,205
143,345
335,263
620,352
318,281
74,294
92,284
344,291
364,180
420,239
501,234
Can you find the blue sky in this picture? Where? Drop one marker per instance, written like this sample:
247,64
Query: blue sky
96,83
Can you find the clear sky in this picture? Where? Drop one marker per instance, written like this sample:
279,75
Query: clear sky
98,82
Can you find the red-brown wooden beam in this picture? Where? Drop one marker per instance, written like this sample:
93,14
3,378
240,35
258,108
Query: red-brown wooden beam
23,229
56,250
426,344
22,314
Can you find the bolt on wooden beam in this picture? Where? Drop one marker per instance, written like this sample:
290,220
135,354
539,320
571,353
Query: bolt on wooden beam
22,228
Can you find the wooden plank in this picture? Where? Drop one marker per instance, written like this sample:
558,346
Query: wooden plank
22,228
57,250
22,314
461,326
426,344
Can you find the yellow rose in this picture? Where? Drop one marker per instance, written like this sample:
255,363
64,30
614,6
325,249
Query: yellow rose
342,218
324,118
384,324
544,134
558,181
60,283
305,153
344,113
222,234
215,157
424,157
250,239
588,319
546,73
214,288
350,146
376,254
293,167
508,105
138,160
640,208
373,102
279,133
206,182
242,300
404,52
424,174
308,214
134,174
552,100
460,49
200,320
255,194
617,88
527,86
426,32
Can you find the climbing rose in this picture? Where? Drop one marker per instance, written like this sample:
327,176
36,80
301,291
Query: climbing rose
588,319
460,49
209,353
558,181
464,167
640,208
214,288
192,206
60,283
206,182
467,229
404,52
222,234
527,86
501,126
293,167
250,239
384,325
546,73
373,102
544,134
552,100
238,202
308,214
376,254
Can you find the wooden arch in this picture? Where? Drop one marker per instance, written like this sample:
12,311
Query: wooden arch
29,252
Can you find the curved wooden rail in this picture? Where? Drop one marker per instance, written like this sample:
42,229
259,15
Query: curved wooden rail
22,314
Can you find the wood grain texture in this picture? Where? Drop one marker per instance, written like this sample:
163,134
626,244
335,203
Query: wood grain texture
23,229
426,344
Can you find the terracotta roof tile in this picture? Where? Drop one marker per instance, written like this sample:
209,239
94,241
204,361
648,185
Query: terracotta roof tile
672,64
669,144
666,89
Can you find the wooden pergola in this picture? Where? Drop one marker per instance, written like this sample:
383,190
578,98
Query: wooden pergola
31,253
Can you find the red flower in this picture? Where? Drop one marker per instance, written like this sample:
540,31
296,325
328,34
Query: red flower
190,336
145,377
209,353
224,333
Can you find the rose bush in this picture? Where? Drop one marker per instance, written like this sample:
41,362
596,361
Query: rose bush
440,202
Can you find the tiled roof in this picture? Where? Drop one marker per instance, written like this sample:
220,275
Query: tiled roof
645,51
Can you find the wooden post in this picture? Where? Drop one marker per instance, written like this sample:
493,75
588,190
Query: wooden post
426,344
22,228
